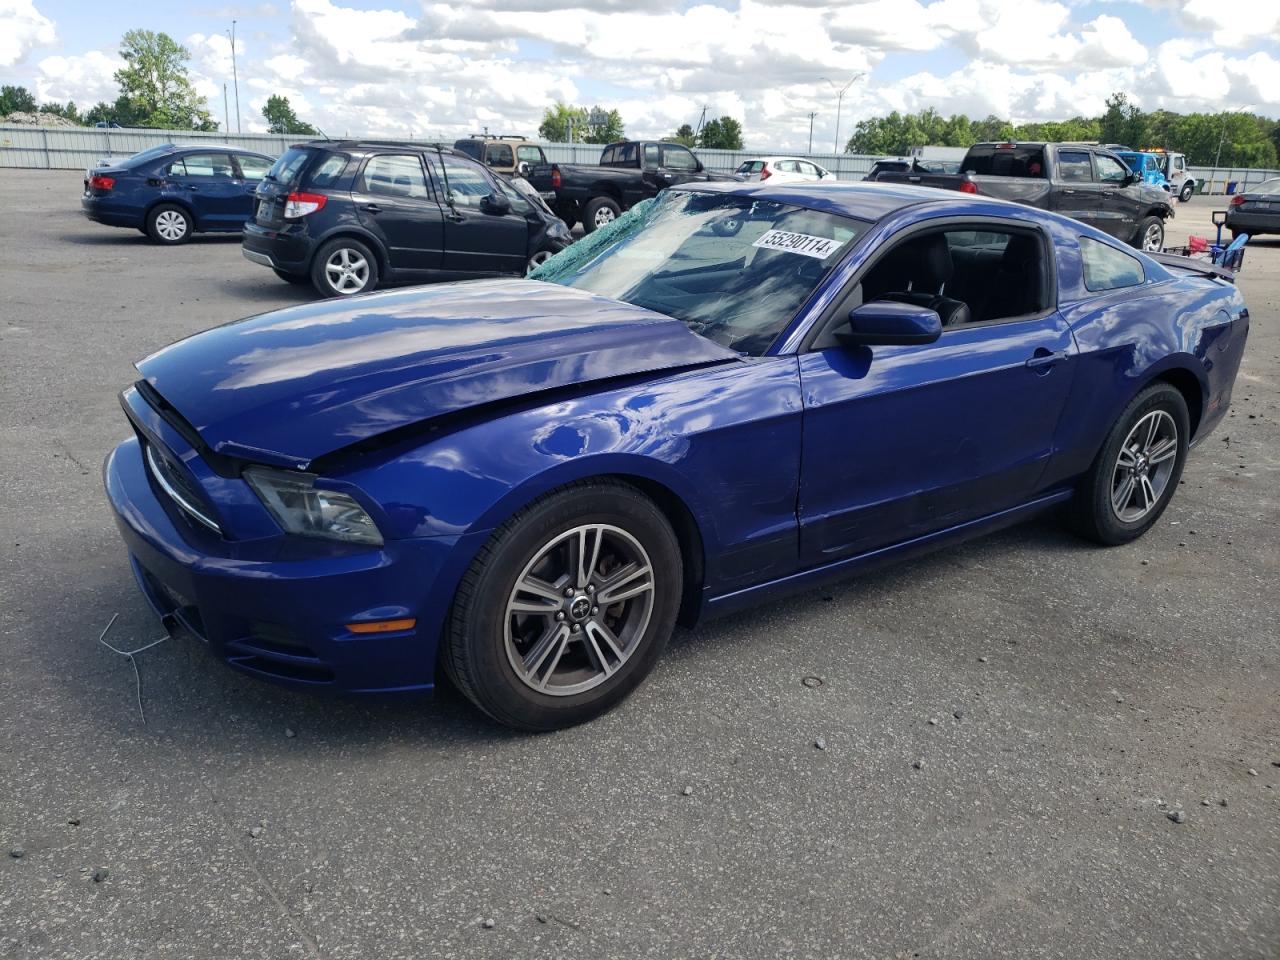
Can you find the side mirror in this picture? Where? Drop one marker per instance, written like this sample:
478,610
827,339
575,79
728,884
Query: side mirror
886,322
523,168
700,168
496,203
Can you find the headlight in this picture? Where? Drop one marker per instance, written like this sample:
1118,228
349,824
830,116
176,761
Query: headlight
302,509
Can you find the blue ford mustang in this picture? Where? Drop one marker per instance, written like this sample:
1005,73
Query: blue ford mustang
738,390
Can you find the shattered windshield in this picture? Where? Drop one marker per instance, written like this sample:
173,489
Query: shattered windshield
733,268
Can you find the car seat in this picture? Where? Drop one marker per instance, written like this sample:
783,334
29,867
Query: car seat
917,272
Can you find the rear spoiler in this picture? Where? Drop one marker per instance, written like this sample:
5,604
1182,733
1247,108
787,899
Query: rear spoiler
1193,265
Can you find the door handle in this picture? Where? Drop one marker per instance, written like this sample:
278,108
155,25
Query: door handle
1043,359
373,208
1068,191
454,217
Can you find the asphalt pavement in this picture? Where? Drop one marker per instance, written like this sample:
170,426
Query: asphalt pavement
1024,747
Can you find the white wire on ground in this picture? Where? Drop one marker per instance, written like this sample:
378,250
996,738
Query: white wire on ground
129,655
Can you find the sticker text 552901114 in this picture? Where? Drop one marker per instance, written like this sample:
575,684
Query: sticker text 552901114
802,243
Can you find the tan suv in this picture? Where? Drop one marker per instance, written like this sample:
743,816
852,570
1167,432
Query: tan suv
504,155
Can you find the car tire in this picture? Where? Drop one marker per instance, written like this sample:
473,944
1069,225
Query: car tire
1188,189
599,212
1136,472
344,267
550,657
538,259
169,224
297,279
1150,235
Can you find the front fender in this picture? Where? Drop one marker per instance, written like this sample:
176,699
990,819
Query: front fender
723,440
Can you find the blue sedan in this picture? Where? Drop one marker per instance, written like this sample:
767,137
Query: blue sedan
737,391
171,192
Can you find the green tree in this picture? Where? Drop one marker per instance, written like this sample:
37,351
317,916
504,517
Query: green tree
154,79
124,112
559,120
722,134
686,136
608,130
16,100
278,113
67,111
991,129
562,119
1123,123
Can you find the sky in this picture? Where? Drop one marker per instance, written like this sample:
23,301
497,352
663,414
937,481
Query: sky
427,69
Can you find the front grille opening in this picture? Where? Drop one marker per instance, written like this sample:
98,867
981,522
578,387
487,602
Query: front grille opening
174,603
274,638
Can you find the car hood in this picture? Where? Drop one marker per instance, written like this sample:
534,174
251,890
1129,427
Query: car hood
290,386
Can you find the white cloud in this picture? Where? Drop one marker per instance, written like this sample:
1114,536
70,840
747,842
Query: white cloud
22,29
86,79
444,70
1240,24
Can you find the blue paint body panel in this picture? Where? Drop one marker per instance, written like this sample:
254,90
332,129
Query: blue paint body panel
443,411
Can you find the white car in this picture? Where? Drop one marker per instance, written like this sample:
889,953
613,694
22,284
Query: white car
782,170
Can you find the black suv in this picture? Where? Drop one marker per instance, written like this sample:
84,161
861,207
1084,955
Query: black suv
350,215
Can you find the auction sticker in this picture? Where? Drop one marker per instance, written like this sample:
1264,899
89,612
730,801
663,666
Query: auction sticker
817,247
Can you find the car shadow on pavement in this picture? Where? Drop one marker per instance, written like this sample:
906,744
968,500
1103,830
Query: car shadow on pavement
273,293
193,700
1007,548
132,238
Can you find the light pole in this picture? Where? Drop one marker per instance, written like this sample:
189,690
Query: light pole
235,80
840,102
811,116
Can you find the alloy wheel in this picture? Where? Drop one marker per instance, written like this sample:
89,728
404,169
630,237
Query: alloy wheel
579,609
171,225
1143,466
1153,238
346,270
603,216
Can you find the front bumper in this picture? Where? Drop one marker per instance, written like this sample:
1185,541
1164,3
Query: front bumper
276,608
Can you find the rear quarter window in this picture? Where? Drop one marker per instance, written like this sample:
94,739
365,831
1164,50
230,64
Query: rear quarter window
1106,268
288,166
328,170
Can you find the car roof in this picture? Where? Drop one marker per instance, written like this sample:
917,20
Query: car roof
372,146
229,147
781,156
861,200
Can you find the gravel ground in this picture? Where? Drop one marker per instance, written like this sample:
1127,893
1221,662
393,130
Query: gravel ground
1030,747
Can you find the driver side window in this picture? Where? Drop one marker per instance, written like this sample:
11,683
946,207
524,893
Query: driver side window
1109,169
966,274
467,184
678,158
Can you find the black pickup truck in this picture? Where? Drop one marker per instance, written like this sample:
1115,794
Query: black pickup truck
1079,180
628,172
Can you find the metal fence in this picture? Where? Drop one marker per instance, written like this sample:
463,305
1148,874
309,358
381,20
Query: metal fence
75,148
1221,180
